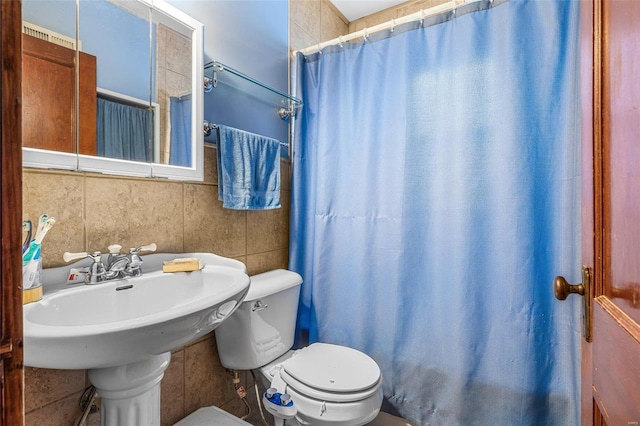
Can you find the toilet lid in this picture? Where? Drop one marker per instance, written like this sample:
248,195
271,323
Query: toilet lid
332,368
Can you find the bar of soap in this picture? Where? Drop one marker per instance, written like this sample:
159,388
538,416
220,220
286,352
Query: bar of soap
184,264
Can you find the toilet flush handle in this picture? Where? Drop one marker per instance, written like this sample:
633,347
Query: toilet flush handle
259,305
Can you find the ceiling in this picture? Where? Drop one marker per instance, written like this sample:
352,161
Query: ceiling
354,9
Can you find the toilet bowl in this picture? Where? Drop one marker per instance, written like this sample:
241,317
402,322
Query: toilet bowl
329,384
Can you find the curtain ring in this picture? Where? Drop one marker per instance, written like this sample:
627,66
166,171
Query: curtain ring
319,48
341,38
366,35
393,24
422,15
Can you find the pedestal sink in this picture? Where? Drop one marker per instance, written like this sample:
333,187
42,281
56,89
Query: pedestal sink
123,331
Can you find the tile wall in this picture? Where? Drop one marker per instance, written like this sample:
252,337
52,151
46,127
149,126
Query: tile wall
314,21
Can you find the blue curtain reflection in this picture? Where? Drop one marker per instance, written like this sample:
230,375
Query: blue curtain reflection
124,132
180,151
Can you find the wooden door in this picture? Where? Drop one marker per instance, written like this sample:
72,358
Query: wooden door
11,370
49,97
611,213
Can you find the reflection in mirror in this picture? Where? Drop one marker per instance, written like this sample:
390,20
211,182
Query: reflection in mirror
173,87
49,76
119,39
145,103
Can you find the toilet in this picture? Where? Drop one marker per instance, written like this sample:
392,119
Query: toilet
328,384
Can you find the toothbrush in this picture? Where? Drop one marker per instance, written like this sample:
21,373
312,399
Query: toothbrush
27,227
41,222
48,224
33,253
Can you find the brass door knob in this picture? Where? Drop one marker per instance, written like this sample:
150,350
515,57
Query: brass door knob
562,288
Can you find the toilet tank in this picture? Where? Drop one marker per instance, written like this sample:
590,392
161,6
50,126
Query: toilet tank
263,327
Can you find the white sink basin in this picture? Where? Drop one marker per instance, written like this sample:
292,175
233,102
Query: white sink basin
121,322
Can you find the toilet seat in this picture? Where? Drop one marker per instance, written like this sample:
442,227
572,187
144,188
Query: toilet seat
332,373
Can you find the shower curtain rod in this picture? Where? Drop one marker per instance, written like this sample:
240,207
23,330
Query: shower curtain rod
366,32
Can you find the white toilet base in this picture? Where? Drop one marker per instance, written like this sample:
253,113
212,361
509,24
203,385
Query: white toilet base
314,412
321,413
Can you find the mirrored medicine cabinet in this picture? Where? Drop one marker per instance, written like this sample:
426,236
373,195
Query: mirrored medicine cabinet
112,86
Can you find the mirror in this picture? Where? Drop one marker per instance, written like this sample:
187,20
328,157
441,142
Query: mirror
139,85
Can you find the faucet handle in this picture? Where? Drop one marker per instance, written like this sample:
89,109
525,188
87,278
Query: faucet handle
114,248
148,247
68,257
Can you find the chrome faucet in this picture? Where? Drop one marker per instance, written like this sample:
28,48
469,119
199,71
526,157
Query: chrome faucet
126,265
97,271
118,265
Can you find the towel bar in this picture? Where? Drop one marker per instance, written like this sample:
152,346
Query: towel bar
209,126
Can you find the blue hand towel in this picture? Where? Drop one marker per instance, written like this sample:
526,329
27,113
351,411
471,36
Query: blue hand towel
248,170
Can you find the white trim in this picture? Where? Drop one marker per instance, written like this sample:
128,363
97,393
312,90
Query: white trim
112,166
42,159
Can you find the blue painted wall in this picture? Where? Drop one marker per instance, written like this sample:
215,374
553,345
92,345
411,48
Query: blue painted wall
252,37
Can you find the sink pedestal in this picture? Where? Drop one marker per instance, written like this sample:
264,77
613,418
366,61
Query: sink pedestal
131,393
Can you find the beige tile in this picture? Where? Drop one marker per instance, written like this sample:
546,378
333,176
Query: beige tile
93,419
161,46
206,380
44,386
285,175
336,11
162,98
332,25
268,229
306,14
208,226
177,84
210,164
178,53
299,38
134,212
60,195
62,412
161,83
239,409
410,7
172,390
372,20
263,262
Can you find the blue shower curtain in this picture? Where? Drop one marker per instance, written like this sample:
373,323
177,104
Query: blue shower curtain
123,131
435,196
